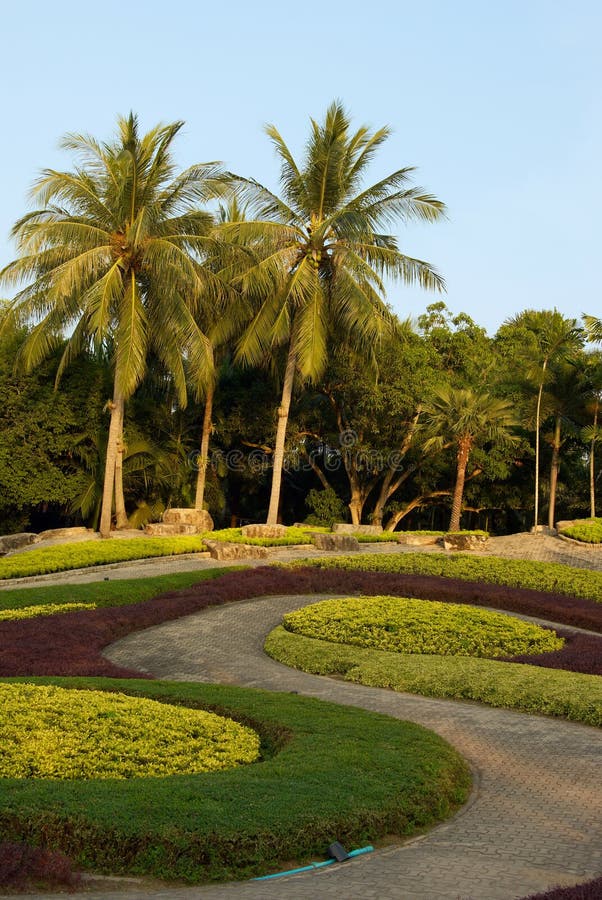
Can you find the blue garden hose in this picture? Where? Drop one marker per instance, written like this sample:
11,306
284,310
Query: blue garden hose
312,866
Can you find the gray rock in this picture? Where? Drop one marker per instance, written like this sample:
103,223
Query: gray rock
52,533
199,518
465,541
264,531
345,528
341,542
418,540
227,550
10,542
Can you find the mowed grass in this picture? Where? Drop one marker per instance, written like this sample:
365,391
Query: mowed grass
326,773
120,592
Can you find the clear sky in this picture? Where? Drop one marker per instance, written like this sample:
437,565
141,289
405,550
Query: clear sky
497,104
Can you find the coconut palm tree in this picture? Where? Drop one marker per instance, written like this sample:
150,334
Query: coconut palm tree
325,250
462,419
555,337
113,257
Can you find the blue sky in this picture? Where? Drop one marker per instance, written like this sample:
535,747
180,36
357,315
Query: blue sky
497,104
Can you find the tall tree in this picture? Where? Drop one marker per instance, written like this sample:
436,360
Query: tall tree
461,418
114,257
325,250
554,337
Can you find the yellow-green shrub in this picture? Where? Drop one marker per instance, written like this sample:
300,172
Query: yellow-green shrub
51,732
405,625
44,609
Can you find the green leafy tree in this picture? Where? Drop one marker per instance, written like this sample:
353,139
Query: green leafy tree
461,418
549,336
113,257
325,248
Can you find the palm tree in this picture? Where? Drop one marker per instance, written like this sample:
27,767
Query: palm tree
114,257
555,337
460,418
324,252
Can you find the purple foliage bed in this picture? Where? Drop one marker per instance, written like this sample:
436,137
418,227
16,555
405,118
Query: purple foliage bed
72,643
590,890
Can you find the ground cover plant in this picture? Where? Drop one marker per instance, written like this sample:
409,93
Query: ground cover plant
118,592
72,643
94,553
573,696
327,773
27,868
53,732
588,532
406,625
589,890
552,578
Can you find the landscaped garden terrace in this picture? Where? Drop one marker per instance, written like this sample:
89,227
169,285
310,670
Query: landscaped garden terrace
323,772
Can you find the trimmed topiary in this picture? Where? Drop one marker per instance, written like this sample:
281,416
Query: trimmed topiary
50,732
406,625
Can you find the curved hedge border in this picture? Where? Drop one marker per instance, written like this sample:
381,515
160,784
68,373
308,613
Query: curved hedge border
569,695
339,773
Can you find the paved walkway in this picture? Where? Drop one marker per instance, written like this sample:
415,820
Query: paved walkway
534,819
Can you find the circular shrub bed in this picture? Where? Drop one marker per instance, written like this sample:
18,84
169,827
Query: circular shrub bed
51,732
326,772
405,625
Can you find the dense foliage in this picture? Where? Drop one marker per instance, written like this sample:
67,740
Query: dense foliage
278,335
50,732
406,625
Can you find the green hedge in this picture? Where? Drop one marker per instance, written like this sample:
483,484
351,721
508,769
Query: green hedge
532,689
82,554
327,773
540,576
405,625
589,531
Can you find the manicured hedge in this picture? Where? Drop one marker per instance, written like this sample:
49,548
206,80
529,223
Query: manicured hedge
94,553
510,685
328,773
589,531
405,625
53,732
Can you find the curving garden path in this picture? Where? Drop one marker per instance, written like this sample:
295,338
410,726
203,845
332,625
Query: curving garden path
534,819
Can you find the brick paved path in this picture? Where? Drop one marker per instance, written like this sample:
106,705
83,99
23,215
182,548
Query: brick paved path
534,819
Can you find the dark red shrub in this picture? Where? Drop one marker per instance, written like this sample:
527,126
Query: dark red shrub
590,890
22,865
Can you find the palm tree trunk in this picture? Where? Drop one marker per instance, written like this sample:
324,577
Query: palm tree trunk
204,457
537,416
554,467
121,518
462,462
283,411
592,465
115,427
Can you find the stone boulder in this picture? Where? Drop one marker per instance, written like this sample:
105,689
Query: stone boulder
10,542
345,528
264,531
199,518
465,541
65,533
341,542
227,550
161,529
418,540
